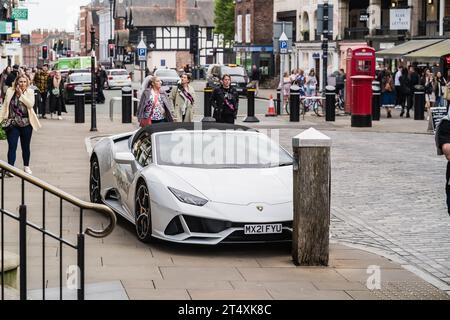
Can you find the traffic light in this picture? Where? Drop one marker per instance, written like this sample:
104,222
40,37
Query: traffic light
44,52
193,35
111,48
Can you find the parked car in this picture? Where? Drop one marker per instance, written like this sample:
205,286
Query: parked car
239,78
118,78
82,79
152,179
169,77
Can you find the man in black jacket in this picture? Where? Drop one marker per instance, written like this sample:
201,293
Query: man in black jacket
225,101
414,80
100,78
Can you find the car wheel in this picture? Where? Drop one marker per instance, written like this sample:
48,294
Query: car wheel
94,181
143,213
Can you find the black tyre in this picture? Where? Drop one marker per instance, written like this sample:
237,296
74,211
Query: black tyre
94,181
143,213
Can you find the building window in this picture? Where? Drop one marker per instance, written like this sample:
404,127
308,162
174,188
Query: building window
239,29
248,28
209,34
174,38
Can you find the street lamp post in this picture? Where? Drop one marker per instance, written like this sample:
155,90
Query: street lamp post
93,102
325,44
111,29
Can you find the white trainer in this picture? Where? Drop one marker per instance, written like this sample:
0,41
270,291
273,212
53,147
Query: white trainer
60,118
28,170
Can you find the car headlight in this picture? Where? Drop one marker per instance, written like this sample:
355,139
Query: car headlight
188,198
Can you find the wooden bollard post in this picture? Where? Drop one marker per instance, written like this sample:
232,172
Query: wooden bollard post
312,195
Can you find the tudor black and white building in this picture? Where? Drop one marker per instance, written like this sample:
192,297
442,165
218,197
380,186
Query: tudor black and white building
165,25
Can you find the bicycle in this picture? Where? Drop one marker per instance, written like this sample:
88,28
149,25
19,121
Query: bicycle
340,103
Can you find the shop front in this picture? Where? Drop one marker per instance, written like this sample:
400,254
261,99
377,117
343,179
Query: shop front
261,56
437,55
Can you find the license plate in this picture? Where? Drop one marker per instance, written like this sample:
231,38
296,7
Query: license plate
263,229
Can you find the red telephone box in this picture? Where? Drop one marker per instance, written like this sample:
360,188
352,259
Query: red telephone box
360,62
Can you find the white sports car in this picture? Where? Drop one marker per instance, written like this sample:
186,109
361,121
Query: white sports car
196,183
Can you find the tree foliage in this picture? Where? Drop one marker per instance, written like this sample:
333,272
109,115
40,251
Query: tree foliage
224,18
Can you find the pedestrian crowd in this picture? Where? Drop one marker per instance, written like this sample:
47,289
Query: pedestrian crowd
397,89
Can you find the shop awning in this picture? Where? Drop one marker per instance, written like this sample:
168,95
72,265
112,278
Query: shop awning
430,54
403,49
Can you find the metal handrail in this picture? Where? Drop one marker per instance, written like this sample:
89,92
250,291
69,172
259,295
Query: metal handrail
69,198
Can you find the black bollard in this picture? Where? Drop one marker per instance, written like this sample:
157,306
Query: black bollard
135,103
79,104
376,101
279,101
251,106
294,103
419,102
330,103
127,97
207,106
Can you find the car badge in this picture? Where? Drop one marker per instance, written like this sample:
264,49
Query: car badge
260,208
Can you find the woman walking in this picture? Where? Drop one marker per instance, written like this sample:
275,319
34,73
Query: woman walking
183,99
154,106
405,88
311,83
3,77
388,93
286,89
56,91
19,119
439,89
225,101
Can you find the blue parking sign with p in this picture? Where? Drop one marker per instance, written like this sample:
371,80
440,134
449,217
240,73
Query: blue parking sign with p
142,52
283,44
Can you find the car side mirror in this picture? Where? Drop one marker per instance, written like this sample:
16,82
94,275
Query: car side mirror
124,158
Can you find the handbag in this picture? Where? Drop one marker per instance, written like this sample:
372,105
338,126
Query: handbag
2,134
145,122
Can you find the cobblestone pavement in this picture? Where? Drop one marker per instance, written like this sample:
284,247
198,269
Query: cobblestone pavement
388,194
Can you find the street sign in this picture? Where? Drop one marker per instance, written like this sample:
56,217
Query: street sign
320,19
5,27
284,45
277,32
19,14
142,51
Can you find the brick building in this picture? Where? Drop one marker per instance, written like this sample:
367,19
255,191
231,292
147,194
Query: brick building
254,31
32,53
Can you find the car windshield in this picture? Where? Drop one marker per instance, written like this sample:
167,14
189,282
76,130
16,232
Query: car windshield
119,73
219,150
167,73
233,71
80,77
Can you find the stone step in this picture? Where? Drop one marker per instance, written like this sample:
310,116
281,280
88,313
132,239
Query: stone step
10,294
10,268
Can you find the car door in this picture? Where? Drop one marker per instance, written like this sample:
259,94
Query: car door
126,173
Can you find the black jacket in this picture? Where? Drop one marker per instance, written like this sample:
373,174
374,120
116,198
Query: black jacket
11,78
100,77
414,80
405,85
218,102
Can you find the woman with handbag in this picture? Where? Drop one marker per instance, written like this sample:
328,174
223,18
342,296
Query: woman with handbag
388,93
183,99
56,94
154,106
18,119
439,90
